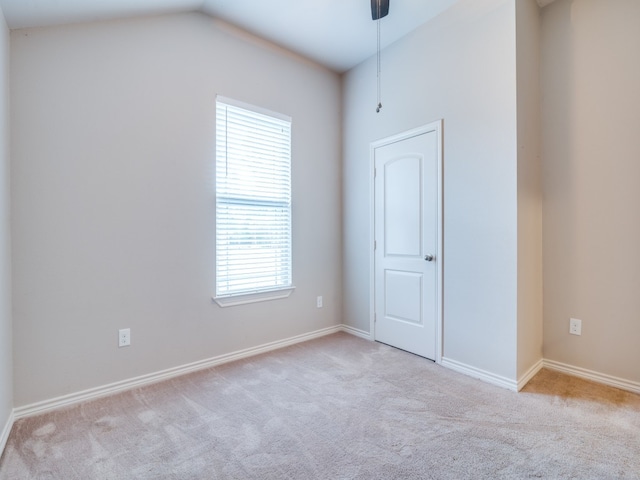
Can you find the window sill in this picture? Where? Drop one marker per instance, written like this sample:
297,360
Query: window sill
244,298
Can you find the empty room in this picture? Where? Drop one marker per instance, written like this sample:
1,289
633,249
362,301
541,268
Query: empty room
340,239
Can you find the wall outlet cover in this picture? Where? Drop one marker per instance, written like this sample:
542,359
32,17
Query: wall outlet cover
124,337
575,326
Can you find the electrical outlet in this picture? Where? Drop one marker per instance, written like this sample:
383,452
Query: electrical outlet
319,302
575,326
124,337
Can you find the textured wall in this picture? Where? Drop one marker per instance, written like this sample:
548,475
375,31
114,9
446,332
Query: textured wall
529,186
113,197
6,349
591,147
460,67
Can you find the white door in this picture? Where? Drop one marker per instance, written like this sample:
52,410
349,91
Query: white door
407,246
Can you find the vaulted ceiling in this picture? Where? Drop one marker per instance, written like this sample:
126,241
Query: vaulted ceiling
336,33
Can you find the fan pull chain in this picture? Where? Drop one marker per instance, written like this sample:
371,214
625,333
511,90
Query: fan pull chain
379,107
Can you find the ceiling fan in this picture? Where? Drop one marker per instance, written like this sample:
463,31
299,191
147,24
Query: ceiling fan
379,9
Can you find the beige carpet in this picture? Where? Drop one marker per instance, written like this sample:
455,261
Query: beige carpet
335,408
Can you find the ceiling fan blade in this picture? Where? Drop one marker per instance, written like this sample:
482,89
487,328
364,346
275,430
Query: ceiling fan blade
379,9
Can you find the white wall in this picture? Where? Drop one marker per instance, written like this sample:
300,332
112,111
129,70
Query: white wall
591,173
6,349
113,197
529,187
460,67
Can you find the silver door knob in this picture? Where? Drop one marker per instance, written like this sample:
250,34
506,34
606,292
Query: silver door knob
429,258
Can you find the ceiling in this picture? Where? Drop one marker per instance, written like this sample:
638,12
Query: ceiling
336,33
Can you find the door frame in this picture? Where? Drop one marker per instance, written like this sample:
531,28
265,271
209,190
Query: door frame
430,127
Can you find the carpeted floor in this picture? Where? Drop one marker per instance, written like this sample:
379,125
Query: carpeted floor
335,408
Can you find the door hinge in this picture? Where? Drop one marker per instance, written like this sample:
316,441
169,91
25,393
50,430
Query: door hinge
375,244
375,172
375,317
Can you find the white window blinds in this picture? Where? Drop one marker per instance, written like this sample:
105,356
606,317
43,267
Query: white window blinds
253,199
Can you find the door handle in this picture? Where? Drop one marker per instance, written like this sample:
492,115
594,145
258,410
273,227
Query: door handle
429,258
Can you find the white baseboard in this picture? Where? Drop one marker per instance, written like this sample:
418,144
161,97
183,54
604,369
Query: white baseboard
117,387
474,372
593,376
4,435
530,374
356,331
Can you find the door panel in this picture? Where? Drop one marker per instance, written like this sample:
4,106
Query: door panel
403,296
406,232
403,215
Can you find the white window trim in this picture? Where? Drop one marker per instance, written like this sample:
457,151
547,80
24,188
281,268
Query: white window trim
253,108
260,295
253,297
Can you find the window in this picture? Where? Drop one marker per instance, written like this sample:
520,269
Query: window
253,203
